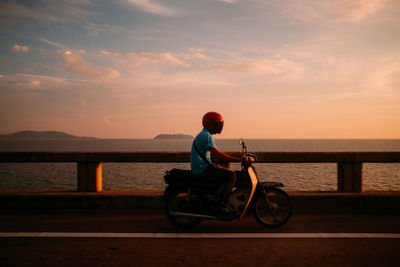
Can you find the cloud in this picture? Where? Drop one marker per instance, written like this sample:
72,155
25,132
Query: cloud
150,6
194,56
95,29
17,48
76,64
53,43
107,118
262,66
356,10
228,1
35,82
386,74
162,58
335,10
28,81
139,59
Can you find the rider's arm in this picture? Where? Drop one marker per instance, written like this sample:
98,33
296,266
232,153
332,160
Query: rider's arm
221,156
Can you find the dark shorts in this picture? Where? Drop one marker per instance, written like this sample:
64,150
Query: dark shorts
215,175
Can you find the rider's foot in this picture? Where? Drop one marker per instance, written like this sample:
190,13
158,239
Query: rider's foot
225,211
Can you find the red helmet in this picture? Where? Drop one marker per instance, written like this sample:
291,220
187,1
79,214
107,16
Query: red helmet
213,122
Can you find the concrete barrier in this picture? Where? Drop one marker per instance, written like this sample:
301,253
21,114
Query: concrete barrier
349,164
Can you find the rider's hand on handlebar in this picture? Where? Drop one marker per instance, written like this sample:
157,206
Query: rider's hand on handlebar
246,159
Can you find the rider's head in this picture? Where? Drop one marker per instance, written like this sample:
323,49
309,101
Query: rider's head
213,122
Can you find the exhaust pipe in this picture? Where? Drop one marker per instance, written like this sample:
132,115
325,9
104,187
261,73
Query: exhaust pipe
192,215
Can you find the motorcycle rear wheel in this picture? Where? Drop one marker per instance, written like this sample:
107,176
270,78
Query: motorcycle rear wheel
275,211
178,202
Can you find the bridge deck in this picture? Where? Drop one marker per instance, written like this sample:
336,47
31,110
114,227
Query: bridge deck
341,250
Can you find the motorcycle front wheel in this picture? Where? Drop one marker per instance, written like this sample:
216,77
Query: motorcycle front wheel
177,204
273,210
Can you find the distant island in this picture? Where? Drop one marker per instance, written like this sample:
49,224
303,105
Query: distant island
173,136
42,135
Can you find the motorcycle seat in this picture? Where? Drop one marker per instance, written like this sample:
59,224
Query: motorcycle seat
188,179
178,176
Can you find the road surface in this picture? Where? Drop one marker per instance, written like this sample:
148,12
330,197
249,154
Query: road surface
146,238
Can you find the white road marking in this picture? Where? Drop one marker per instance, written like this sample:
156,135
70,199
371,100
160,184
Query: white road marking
199,235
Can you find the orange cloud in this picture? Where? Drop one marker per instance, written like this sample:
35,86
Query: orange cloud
356,10
76,64
334,10
17,48
107,118
139,59
263,66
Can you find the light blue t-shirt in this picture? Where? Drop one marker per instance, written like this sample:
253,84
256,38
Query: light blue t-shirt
203,141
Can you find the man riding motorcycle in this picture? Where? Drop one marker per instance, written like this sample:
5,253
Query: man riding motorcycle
192,196
204,153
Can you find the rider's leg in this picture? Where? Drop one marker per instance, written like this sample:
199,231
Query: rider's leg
228,187
223,176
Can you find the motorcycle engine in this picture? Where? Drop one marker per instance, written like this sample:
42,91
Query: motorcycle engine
238,199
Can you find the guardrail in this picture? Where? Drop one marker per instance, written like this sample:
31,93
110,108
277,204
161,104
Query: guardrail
349,164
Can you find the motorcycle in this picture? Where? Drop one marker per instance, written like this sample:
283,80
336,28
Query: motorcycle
187,203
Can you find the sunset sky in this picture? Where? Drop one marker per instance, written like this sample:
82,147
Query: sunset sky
138,68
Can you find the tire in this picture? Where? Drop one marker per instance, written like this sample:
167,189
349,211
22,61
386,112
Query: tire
276,215
177,202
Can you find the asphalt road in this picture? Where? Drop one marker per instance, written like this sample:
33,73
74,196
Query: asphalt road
296,250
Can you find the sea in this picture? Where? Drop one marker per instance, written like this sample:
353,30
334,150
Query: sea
149,176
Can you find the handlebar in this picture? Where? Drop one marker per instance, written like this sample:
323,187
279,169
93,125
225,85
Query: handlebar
249,158
246,157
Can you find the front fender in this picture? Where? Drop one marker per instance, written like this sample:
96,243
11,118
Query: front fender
258,192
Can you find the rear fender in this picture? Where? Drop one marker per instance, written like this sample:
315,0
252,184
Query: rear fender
173,189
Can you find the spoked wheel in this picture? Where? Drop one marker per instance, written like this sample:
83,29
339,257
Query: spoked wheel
178,204
275,210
